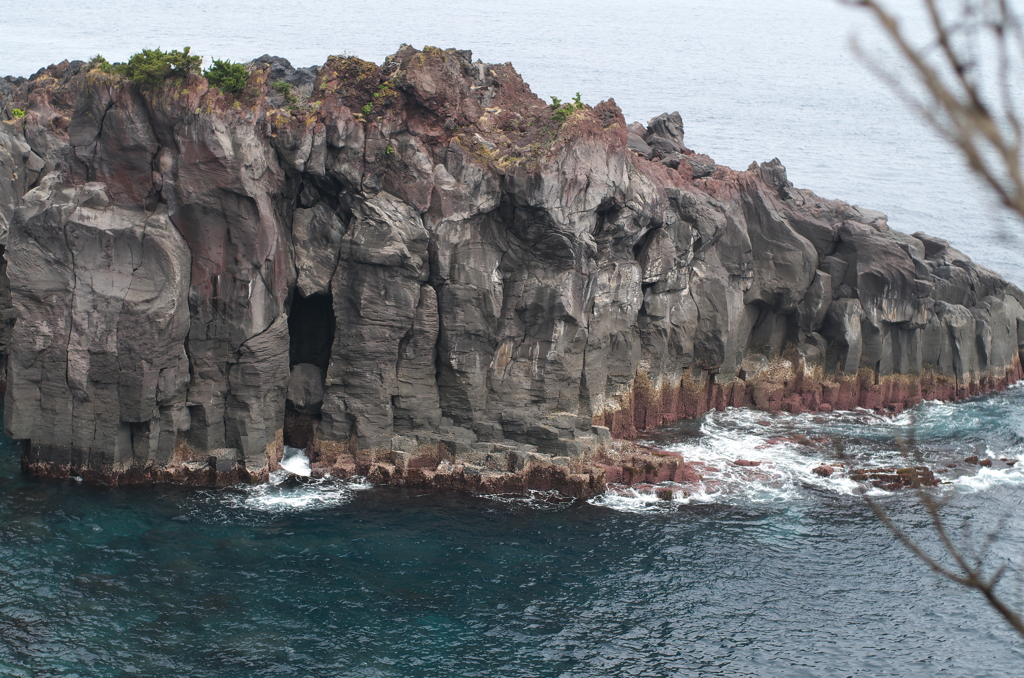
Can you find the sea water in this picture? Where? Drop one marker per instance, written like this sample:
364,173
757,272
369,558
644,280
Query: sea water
758,571
779,574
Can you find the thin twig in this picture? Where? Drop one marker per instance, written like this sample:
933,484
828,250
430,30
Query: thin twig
965,574
989,136
972,125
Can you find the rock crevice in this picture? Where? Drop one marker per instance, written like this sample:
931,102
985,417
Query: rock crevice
421,273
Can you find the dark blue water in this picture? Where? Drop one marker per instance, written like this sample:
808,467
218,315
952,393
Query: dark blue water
773,572
795,579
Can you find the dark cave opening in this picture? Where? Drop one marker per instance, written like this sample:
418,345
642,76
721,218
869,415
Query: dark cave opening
311,337
311,330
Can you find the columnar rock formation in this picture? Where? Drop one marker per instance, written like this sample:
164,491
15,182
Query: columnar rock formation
422,271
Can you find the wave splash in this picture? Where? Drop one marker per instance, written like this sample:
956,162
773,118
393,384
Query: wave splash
284,493
751,457
296,462
540,500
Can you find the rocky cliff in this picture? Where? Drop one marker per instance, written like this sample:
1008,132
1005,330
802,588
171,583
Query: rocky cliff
422,272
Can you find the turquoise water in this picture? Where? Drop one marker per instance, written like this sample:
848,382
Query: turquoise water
765,572
334,579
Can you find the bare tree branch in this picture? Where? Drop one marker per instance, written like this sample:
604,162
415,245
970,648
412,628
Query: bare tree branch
967,574
989,136
952,70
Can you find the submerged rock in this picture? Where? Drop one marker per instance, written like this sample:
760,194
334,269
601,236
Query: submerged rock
421,274
824,470
892,479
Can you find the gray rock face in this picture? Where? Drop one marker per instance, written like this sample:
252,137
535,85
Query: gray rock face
700,165
97,365
636,144
666,132
300,79
435,275
306,387
316,237
20,169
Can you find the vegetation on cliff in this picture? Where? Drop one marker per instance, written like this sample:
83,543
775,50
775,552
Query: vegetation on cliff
153,66
227,76
417,268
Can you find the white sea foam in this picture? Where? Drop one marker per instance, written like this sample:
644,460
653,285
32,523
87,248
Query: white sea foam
283,494
988,478
545,500
786,456
788,449
296,462
632,500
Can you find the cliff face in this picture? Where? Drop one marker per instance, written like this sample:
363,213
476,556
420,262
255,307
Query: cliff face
420,272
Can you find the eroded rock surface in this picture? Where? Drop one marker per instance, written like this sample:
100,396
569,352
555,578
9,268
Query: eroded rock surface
421,274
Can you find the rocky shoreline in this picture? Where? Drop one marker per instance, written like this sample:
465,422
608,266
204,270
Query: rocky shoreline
423,274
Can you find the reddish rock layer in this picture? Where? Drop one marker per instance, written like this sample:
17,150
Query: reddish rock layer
795,392
420,266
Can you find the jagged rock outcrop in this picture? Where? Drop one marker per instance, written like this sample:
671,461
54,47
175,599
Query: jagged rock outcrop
418,272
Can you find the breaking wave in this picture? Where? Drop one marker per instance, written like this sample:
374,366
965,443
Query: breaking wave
284,493
970,446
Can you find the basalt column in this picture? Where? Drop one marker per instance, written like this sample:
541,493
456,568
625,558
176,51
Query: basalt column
423,273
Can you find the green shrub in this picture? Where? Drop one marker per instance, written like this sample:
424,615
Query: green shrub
153,66
284,89
367,108
100,63
562,111
17,113
227,76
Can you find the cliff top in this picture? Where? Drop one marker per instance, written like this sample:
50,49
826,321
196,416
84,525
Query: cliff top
441,96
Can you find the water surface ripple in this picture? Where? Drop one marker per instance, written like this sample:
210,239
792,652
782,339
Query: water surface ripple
336,579
765,572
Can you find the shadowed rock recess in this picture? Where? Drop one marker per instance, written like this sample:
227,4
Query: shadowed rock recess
422,274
